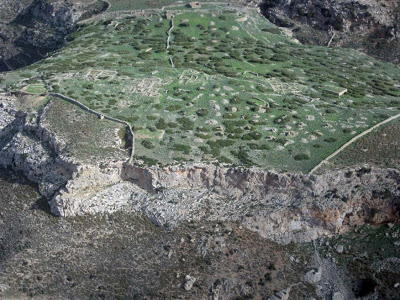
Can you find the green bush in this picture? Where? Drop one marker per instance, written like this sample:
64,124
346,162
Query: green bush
224,160
182,148
302,156
221,143
73,36
330,139
282,120
161,124
172,125
255,146
174,107
242,156
147,144
346,130
202,112
252,136
186,123
151,118
149,161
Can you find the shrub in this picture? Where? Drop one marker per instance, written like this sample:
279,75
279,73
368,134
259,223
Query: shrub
203,129
230,116
174,107
161,124
182,148
150,117
243,156
186,123
147,144
263,89
149,161
251,136
224,160
255,146
202,112
330,140
73,36
281,120
346,130
273,30
204,136
302,156
172,125
330,111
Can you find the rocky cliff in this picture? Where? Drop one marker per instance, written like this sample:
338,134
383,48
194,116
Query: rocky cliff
30,29
63,168
368,25
284,207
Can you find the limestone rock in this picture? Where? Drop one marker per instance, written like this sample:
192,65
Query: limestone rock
189,281
339,248
3,287
313,276
338,296
281,295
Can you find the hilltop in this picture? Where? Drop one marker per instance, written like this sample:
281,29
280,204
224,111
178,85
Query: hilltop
217,85
197,151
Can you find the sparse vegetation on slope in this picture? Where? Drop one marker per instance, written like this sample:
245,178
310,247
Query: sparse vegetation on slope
266,95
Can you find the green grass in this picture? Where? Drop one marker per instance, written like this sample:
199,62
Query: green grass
379,148
226,70
87,137
35,89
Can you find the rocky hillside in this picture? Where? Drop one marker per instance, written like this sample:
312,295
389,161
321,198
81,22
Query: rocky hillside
89,172
30,29
369,25
182,232
125,256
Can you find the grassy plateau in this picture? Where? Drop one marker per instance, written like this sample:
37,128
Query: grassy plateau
219,84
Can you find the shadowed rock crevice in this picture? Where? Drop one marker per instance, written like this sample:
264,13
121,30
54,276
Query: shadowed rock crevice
38,28
367,25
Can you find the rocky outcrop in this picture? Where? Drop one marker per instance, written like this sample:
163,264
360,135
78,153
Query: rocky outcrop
367,25
283,207
31,29
32,147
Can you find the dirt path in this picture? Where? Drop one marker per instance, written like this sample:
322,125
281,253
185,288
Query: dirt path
169,35
357,137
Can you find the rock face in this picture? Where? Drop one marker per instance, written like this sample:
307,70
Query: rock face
31,28
39,150
283,207
372,26
189,281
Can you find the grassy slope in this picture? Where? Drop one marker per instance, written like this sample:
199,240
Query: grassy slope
236,78
379,148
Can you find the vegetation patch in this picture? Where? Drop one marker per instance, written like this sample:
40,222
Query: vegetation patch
229,85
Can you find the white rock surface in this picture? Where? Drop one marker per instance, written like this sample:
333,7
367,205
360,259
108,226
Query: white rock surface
189,281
